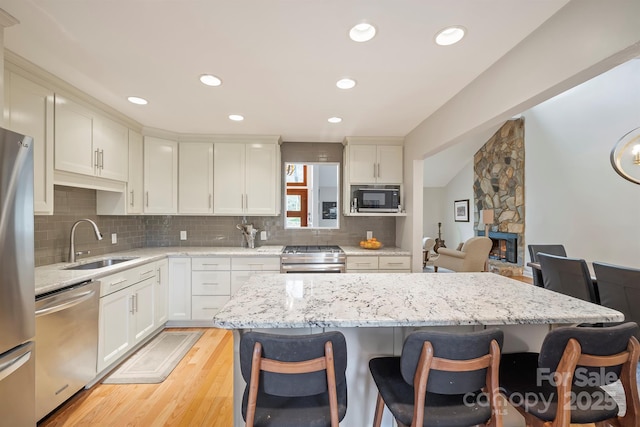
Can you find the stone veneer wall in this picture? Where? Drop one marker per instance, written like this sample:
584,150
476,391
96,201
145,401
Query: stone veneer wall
499,185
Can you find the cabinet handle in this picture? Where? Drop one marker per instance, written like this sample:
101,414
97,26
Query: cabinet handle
378,174
117,283
101,159
159,279
96,164
210,265
374,170
246,201
395,263
131,192
132,311
135,296
210,200
210,283
147,199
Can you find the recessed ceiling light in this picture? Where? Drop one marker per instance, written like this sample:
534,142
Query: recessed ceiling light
450,35
137,100
236,117
210,80
362,32
334,119
346,83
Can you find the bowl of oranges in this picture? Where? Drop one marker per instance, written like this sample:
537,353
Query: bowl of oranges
371,243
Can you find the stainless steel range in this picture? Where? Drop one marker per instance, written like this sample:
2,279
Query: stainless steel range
312,259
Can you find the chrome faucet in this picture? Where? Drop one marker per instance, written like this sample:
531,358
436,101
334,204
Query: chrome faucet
72,248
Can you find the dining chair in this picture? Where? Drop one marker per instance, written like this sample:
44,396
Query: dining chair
552,249
619,289
294,380
441,379
563,383
569,276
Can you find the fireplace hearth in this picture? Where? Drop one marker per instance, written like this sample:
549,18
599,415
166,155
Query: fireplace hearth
505,246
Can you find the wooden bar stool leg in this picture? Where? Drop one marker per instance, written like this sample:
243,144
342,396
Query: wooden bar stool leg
377,419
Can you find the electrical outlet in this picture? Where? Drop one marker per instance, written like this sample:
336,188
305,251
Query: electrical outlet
114,238
369,234
183,235
263,235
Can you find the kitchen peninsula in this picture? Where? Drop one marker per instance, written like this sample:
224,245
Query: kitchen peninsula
376,311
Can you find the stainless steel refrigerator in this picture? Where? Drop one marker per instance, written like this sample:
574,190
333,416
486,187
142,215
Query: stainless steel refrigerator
17,288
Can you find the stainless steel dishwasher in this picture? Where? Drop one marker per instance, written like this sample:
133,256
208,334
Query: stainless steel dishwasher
66,343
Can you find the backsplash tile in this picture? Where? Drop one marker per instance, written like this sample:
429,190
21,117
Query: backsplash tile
72,204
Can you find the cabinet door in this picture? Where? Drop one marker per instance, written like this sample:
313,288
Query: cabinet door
389,168
261,179
228,178
111,140
135,187
195,178
180,289
362,164
160,176
74,138
143,300
29,111
116,317
161,293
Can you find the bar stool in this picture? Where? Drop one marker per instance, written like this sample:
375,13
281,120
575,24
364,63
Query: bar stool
294,380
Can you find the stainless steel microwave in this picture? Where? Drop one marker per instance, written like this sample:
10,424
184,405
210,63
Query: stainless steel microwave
378,199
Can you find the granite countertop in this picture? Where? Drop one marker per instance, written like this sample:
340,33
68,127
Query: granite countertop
385,250
53,276
400,299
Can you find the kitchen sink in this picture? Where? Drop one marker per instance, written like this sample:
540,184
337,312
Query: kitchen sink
100,263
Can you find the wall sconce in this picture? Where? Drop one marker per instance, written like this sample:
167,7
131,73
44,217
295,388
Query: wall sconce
625,156
486,218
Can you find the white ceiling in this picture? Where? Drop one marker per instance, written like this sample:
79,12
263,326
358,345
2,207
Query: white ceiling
279,59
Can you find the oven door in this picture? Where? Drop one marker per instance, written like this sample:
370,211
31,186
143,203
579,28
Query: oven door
312,268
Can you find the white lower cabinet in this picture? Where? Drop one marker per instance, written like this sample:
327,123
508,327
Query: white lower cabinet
126,318
378,264
179,289
161,295
242,269
200,286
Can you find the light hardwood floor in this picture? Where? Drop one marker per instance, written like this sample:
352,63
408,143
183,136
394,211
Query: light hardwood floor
199,392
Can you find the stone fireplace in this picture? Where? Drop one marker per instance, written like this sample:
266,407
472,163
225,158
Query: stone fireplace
505,246
499,186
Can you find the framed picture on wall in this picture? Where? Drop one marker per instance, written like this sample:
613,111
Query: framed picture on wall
461,210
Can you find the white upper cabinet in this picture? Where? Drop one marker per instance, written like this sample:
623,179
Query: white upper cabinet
160,176
89,144
29,111
135,184
374,160
246,179
195,178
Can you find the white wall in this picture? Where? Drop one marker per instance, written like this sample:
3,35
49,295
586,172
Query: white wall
432,210
584,39
572,194
459,188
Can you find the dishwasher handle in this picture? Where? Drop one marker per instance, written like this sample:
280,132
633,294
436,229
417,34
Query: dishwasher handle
58,305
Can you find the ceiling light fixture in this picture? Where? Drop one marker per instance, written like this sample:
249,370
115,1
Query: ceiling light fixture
210,80
450,35
362,32
236,117
346,83
334,119
625,156
137,100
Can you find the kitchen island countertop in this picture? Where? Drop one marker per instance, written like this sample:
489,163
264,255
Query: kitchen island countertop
400,300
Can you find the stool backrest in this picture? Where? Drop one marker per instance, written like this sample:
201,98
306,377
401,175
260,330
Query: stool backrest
596,341
293,348
547,249
454,346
